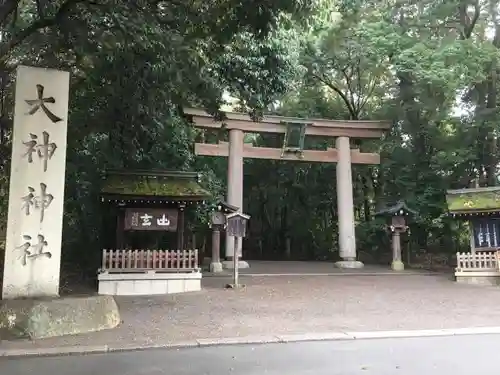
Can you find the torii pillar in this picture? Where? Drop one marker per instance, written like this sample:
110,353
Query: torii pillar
235,191
345,206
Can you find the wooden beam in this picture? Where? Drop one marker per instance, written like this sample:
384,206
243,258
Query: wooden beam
274,124
264,127
321,156
361,124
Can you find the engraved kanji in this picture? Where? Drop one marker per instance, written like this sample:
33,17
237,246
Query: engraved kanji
40,102
30,251
44,150
40,202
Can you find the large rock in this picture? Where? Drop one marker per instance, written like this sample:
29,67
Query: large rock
41,318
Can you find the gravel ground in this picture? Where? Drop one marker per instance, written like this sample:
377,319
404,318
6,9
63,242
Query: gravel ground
295,304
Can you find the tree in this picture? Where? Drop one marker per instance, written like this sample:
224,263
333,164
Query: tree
133,65
407,63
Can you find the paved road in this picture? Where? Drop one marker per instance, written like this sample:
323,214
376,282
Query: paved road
413,356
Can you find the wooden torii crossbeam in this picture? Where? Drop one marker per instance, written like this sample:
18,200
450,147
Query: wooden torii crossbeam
236,150
278,125
330,155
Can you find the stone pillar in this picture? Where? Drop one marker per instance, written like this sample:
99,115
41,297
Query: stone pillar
345,206
36,192
397,260
235,189
215,264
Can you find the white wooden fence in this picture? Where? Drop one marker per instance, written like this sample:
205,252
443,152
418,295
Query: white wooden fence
477,262
149,260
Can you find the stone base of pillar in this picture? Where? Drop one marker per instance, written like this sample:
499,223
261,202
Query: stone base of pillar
349,264
216,267
397,265
229,265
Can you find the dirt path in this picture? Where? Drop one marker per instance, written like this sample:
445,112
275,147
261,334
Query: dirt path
296,304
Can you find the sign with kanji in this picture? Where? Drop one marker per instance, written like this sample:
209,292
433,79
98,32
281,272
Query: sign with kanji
37,180
151,219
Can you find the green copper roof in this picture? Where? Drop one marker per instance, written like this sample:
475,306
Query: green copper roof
153,184
398,209
474,199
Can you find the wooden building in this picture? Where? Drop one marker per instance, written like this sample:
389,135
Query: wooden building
147,253
152,202
480,207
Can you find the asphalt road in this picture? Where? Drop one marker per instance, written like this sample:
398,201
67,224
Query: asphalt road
413,356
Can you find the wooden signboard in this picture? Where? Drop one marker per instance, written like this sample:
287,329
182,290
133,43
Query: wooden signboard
237,224
151,219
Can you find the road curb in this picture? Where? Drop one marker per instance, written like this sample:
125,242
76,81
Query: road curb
55,351
246,340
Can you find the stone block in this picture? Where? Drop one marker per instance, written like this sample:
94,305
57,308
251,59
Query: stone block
107,289
479,280
397,265
349,264
192,285
149,283
229,264
175,286
216,267
42,318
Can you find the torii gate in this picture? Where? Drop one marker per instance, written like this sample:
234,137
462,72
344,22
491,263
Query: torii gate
295,130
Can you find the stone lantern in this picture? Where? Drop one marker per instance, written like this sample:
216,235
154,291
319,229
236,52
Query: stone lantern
218,223
397,216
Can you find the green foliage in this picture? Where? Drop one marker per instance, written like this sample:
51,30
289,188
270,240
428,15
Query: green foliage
133,65
407,64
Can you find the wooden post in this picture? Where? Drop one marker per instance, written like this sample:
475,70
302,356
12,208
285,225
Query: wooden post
180,229
235,263
120,229
193,241
472,239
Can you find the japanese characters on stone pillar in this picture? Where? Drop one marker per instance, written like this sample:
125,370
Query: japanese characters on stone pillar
36,195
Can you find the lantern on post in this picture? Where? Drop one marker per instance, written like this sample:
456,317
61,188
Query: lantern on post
398,215
236,227
217,224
